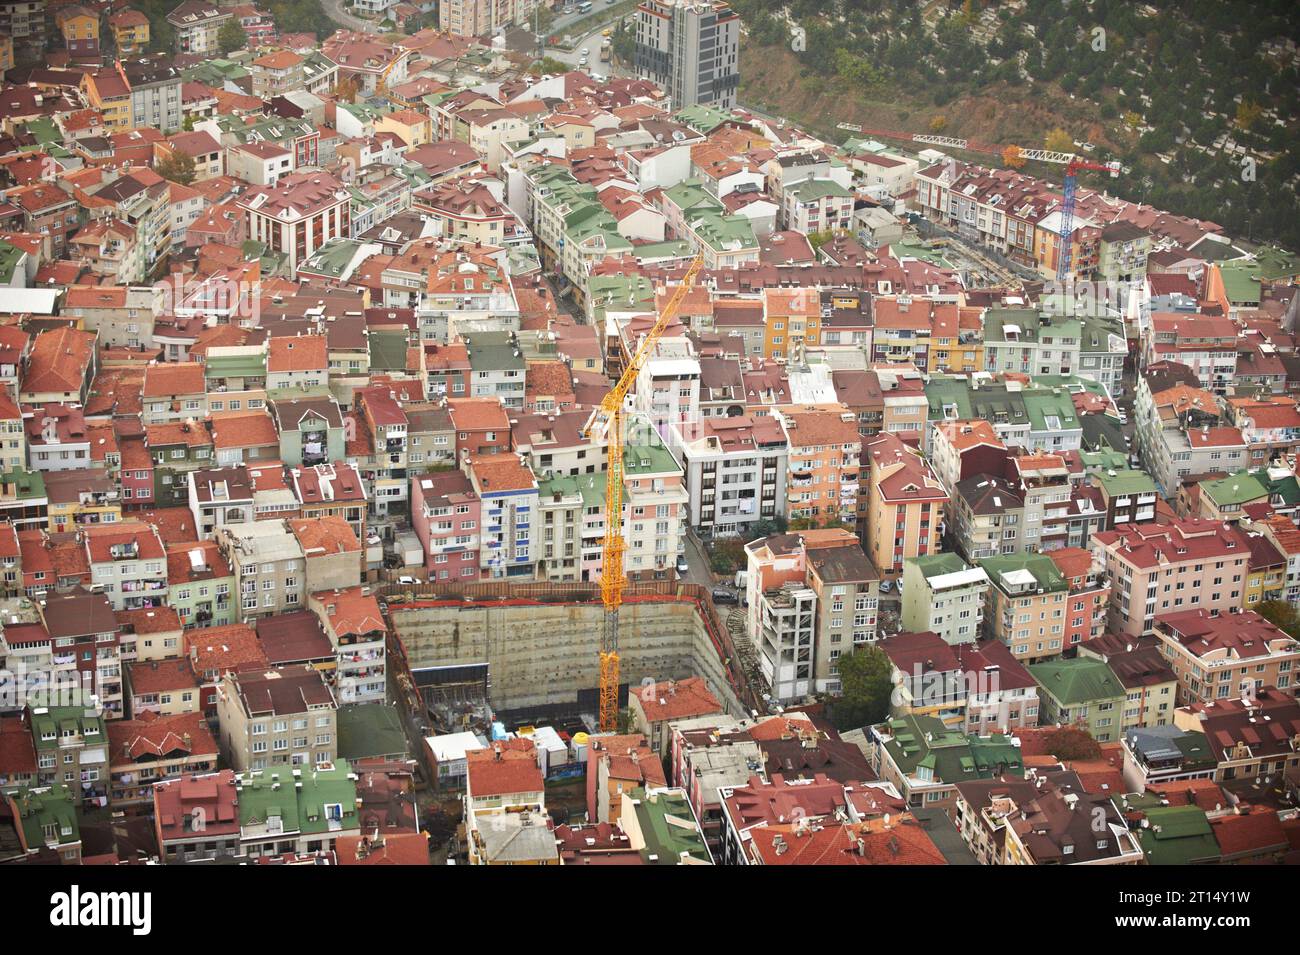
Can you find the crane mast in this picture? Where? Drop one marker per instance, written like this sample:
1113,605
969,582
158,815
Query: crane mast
613,577
1067,211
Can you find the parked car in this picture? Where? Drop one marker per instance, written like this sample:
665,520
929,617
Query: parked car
723,596
682,566
886,587
408,581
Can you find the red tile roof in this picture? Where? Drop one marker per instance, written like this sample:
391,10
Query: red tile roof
676,699
509,767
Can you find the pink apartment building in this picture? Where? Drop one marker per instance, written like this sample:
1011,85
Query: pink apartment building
1158,569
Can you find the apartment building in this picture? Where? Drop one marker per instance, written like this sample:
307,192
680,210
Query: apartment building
269,567
1217,656
691,50
71,745
735,471
297,215
507,490
657,504
504,796
277,716
1207,344
905,505
668,386
197,24
479,18
987,517
446,515
1084,692
1088,590
1026,604
128,564
218,497
812,597
1047,494
1157,569
965,448
1150,686
355,626
944,595
155,91
825,462
976,688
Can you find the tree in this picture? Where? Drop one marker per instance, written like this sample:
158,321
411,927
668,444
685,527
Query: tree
866,689
1059,141
231,36
1282,615
937,123
176,167
1072,742
346,89
1012,159
547,65
1248,113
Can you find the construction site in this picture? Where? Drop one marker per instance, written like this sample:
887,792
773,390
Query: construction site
484,652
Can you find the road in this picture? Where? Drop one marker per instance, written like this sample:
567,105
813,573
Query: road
698,560
334,10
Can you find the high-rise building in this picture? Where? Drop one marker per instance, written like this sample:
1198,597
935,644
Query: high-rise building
481,17
691,48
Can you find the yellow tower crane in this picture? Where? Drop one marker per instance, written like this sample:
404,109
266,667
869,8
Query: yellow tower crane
613,578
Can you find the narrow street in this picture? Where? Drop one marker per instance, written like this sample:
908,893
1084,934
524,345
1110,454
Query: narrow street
336,12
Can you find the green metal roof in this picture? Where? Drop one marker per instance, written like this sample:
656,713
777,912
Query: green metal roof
645,452
1078,681
1178,835
1126,481
1241,281
53,720
387,350
332,258
299,801
933,565
669,827
702,118
1040,566
39,807
218,365
591,487
26,484
1239,488
925,741
810,189
10,258
369,729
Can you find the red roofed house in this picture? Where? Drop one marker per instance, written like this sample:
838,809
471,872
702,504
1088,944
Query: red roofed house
655,705
216,651
1219,656
62,365
196,816
1202,563
505,801
152,747
173,392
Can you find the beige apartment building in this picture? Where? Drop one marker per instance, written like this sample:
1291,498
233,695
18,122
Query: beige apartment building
277,716
1219,656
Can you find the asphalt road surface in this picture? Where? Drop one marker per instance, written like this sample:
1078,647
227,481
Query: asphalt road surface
335,11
